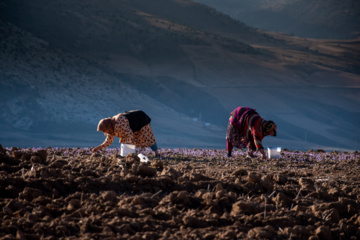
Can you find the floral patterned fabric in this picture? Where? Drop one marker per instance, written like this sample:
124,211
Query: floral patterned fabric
142,138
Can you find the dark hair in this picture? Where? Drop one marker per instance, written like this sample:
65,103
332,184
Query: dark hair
268,126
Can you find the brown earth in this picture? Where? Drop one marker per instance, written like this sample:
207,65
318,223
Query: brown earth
72,194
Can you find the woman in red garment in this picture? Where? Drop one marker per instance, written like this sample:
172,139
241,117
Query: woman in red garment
246,129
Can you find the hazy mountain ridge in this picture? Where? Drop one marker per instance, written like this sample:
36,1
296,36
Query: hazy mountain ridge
183,70
314,19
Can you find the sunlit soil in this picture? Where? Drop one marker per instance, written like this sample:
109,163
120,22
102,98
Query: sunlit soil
70,193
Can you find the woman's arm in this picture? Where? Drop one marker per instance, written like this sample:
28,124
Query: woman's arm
257,142
108,141
229,147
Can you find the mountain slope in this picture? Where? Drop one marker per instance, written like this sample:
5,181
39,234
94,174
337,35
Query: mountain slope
313,19
52,98
88,60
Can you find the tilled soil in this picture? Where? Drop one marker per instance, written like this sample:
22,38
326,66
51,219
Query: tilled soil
73,194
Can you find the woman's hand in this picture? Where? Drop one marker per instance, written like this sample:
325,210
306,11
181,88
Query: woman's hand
96,149
250,153
263,154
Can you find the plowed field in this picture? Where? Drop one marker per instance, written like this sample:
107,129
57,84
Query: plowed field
70,193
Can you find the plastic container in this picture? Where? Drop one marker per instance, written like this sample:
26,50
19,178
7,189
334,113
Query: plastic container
127,149
274,153
143,158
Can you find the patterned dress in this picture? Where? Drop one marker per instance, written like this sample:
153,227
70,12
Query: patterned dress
142,138
244,129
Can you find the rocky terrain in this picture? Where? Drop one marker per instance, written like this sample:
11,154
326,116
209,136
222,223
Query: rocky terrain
70,193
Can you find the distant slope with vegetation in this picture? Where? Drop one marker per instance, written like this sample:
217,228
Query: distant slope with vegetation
188,65
330,19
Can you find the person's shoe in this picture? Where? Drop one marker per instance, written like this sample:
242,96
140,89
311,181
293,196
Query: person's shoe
229,154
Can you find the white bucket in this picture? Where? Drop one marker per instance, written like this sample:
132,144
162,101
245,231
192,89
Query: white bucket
143,158
274,153
127,149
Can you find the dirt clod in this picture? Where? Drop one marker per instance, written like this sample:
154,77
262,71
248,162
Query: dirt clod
74,194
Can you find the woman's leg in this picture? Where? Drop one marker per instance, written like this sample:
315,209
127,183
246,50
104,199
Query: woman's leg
229,147
145,137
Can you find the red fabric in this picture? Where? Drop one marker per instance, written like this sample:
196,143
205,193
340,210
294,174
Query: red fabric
247,122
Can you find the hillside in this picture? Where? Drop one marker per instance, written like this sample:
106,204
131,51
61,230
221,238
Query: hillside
52,98
69,63
329,19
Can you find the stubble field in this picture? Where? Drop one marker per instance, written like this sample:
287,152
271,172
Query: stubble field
70,193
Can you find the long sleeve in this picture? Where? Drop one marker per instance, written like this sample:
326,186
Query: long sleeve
257,139
254,133
108,141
